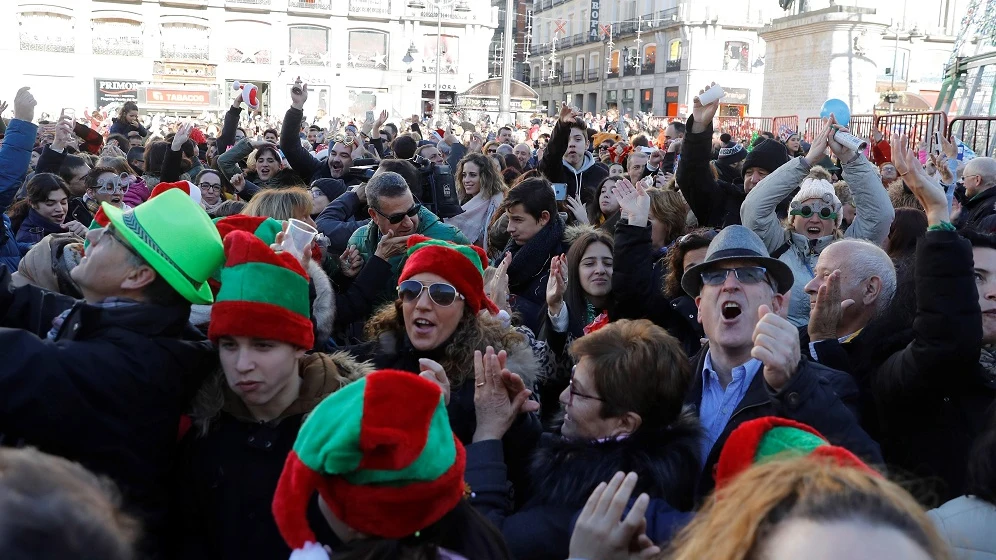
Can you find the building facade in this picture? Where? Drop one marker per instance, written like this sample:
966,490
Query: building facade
182,56
649,56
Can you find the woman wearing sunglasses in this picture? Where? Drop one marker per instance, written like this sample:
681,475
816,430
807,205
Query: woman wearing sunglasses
815,212
440,319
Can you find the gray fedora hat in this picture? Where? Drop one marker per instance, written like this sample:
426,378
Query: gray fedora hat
737,243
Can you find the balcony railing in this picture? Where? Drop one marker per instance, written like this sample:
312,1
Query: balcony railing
310,4
184,52
579,39
593,75
121,46
367,7
613,73
579,75
555,79
629,70
666,17
568,77
648,68
432,13
673,66
547,4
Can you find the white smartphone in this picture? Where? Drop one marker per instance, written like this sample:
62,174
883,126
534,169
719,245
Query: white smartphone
560,191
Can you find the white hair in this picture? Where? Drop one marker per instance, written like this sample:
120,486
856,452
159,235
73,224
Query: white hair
866,260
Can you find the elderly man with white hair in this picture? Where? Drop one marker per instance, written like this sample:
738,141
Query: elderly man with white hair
979,178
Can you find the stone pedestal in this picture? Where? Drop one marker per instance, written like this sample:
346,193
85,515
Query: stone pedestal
818,55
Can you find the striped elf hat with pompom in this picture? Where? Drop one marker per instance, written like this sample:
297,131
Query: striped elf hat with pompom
770,438
381,454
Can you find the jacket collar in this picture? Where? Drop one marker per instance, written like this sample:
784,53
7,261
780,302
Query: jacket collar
586,163
756,394
90,321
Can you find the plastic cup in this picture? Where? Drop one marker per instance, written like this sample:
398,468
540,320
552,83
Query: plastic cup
298,237
850,141
69,114
711,94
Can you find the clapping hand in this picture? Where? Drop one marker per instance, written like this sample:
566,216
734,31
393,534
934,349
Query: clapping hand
499,395
927,190
824,318
577,209
634,202
431,370
599,533
556,284
496,282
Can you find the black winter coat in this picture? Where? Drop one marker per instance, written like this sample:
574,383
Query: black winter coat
930,397
714,203
107,392
977,208
817,396
530,269
638,282
563,474
307,166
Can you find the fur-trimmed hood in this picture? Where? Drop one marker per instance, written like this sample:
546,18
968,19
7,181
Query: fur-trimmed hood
565,472
321,375
574,232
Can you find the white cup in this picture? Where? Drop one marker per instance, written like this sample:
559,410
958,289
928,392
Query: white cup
711,94
298,237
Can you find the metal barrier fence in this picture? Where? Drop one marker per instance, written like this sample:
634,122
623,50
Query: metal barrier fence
860,126
916,126
742,128
978,133
783,126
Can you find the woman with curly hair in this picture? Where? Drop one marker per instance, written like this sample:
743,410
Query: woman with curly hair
440,319
482,190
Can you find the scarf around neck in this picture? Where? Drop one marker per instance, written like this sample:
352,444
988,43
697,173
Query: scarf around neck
531,258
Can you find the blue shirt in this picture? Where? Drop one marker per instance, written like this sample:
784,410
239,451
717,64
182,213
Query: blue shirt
717,404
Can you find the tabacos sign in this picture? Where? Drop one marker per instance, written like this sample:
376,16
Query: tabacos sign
114,91
177,97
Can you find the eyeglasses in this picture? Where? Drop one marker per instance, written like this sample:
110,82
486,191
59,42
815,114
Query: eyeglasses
210,187
439,292
745,274
701,235
603,148
572,392
825,213
117,184
397,218
494,151
967,176
112,233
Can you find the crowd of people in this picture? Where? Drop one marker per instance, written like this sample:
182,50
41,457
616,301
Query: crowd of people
588,337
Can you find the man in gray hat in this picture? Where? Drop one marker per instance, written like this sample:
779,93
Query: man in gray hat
751,365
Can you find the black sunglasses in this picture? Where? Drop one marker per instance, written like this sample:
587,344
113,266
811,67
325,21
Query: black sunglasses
397,218
745,274
439,292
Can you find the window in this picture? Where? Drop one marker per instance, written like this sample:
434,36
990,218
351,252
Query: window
673,56
246,43
614,64
117,36
184,41
579,68
736,56
46,31
649,58
568,69
449,53
309,46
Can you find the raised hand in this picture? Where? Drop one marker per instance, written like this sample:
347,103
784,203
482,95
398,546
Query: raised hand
381,119
24,105
599,532
818,148
350,262
182,135
842,152
391,246
927,189
567,113
238,182
556,284
702,115
825,315
949,146
577,209
299,94
64,135
776,345
3,107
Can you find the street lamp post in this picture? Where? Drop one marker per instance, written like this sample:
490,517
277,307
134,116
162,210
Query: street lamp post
457,6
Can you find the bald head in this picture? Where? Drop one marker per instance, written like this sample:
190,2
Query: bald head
522,153
867,276
979,175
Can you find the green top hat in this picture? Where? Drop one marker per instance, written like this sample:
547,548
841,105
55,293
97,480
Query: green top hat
177,238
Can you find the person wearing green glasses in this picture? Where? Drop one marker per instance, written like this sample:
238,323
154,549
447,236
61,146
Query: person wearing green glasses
815,213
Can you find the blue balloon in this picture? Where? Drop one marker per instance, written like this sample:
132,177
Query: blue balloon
840,111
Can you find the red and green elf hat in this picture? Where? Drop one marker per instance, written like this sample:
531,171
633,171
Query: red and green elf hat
261,226
263,294
461,265
770,438
381,453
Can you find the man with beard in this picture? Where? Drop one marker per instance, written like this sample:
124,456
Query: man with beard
566,159
341,154
717,203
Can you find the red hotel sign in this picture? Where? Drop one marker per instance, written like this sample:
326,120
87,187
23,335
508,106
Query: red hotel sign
178,97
